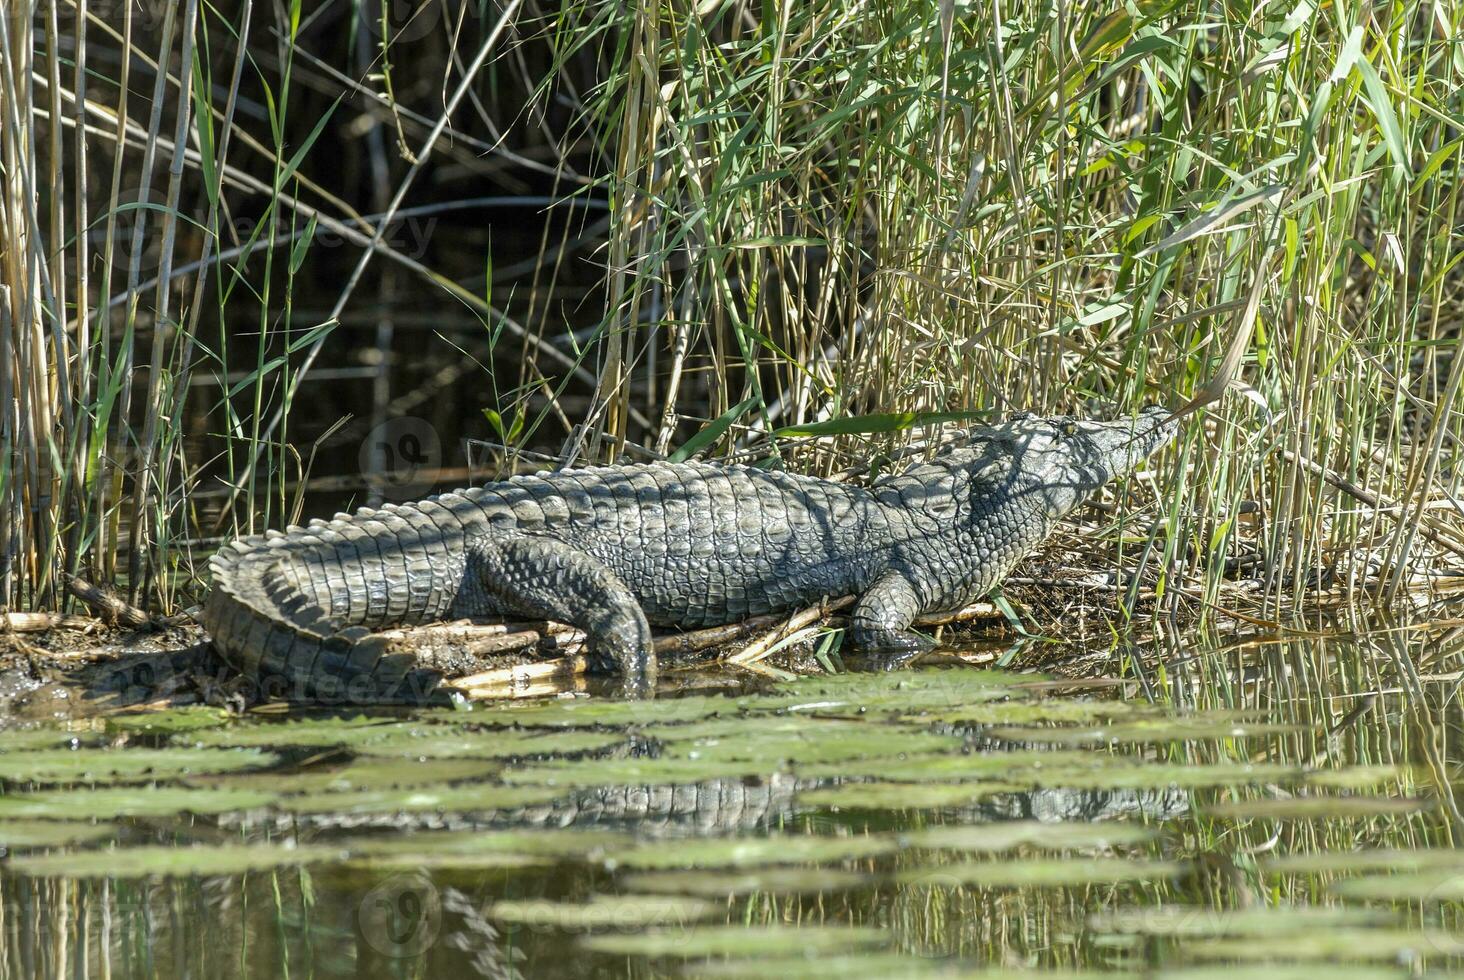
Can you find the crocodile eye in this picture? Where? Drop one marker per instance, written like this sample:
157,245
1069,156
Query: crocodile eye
1068,429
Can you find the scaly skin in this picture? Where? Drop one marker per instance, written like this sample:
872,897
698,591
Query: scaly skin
739,805
615,549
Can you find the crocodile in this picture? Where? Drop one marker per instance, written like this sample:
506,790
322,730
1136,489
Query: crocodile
613,550
719,807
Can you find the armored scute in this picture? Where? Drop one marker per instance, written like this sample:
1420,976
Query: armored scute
614,550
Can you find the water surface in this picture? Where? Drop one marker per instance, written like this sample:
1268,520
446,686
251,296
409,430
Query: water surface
1267,808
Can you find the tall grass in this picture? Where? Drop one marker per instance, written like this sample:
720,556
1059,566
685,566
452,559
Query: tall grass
861,208
819,212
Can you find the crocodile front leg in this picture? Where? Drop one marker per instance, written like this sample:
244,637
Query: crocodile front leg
545,578
880,623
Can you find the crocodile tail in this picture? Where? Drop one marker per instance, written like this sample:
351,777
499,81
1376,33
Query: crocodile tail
269,628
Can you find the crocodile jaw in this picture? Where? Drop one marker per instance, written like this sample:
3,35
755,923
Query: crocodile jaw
1067,459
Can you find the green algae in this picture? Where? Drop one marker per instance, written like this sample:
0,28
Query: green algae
1042,872
637,771
1205,920
173,721
31,739
148,862
819,743
547,843
254,732
900,793
917,692
1315,808
1048,836
597,712
153,801
446,799
1146,730
47,833
738,941
1325,945
1437,885
767,880
131,765
1395,860
437,742
604,912
360,775
865,966
743,852
904,796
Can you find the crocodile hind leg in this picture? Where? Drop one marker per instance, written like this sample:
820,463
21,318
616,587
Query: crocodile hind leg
545,578
880,623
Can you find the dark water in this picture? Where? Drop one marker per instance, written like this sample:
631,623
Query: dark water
1262,809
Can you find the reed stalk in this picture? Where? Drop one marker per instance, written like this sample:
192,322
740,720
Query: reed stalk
818,214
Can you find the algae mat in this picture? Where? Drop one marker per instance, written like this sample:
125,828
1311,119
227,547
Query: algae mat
935,822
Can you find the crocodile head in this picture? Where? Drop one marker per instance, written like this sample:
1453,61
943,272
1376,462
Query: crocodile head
1065,459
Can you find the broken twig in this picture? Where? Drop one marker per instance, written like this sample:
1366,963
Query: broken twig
108,608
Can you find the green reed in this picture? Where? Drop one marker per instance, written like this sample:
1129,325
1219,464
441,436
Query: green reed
819,213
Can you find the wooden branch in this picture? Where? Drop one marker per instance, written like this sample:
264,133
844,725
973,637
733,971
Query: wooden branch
804,618
976,610
524,680
548,677
108,608
696,641
482,639
1426,529
39,622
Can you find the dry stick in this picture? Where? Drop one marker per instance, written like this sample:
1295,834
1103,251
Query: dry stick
162,313
564,640
81,433
460,139
104,554
40,622
1377,502
57,255
222,142
611,389
509,636
109,608
477,637
386,289
763,645
270,157
244,181
423,156
134,277
680,341
10,507
239,179
1402,543
200,266
24,263
521,680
